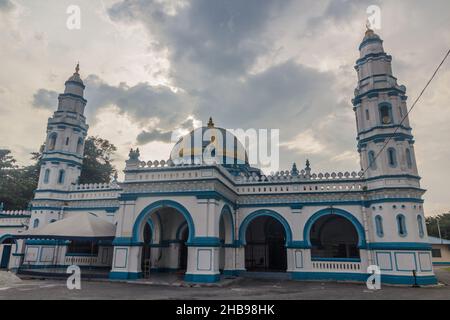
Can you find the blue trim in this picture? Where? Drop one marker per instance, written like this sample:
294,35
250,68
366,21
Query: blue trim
107,209
57,159
398,136
70,154
75,191
369,41
395,126
264,213
336,259
71,95
339,212
441,263
150,209
411,246
115,275
361,277
81,255
408,280
337,276
227,210
2,215
204,242
202,278
233,273
47,242
357,100
374,56
126,242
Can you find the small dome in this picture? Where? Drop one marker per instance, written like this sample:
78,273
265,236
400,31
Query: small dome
76,76
74,85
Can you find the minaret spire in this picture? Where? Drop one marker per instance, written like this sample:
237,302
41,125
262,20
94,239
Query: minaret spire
77,68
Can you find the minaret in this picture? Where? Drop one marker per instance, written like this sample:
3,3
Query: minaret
380,106
66,131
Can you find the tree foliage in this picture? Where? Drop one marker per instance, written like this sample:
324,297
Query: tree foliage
444,225
17,184
97,167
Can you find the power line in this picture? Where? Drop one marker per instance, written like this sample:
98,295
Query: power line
409,111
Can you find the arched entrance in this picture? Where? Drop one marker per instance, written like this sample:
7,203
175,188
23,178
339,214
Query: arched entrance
265,249
334,236
146,250
226,236
164,236
6,244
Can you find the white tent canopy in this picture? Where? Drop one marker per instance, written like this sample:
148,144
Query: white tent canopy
76,226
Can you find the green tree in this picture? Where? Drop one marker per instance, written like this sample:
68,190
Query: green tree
97,167
444,225
17,184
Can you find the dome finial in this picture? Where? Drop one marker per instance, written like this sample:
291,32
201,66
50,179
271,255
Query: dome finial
210,123
77,68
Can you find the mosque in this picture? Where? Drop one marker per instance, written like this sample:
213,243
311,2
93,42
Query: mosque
209,220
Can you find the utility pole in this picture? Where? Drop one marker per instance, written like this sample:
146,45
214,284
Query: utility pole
439,229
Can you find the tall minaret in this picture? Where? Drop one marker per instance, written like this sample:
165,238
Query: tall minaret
380,106
66,132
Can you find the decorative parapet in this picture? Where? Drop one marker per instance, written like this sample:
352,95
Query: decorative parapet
287,176
15,213
95,186
279,177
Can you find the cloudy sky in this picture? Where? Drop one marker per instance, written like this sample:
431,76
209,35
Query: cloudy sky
152,67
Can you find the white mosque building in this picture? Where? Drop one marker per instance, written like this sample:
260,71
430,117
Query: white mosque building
207,220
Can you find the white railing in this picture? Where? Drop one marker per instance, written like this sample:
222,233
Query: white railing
337,266
81,260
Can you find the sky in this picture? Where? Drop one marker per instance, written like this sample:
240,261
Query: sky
153,67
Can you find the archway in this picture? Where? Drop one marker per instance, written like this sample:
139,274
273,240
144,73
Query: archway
170,228
226,235
333,236
146,249
265,248
6,243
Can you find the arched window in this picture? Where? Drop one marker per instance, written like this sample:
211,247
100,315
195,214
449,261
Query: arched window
67,141
372,161
420,225
379,226
35,223
408,158
385,113
80,146
367,115
47,175
392,157
61,176
52,141
401,225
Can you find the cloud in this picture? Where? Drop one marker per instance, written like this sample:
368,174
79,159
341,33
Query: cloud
142,102
155,135
45,99
6,5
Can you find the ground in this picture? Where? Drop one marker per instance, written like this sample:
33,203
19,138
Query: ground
240,290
